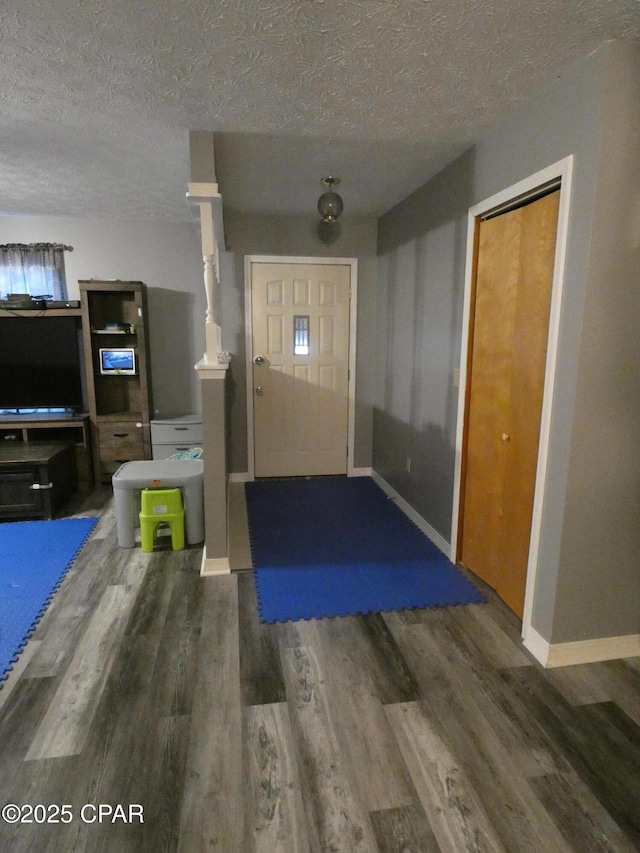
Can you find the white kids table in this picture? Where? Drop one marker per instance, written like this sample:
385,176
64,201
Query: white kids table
132,477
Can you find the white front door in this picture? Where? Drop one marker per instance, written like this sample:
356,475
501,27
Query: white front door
300,349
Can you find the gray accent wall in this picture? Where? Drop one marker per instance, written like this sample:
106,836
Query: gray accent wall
297,236
588,581
421,261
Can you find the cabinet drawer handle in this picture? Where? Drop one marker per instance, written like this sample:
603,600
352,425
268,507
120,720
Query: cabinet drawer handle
181,429
37,486
120,434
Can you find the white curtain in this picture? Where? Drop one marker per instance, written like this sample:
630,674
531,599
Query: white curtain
36,269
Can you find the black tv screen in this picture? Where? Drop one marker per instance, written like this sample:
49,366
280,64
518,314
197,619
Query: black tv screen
40,365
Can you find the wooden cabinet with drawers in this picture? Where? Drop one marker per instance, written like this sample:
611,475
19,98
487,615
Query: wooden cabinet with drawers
115,333
120,441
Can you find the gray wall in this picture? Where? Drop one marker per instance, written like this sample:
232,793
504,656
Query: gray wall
296,236
167,257
422,245
599,577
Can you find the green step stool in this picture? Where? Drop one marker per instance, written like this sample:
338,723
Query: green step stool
160,506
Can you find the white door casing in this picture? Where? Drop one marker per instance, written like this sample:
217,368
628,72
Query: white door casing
300,403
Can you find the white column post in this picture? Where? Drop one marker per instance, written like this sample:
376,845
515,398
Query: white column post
206,207
206,204
212,330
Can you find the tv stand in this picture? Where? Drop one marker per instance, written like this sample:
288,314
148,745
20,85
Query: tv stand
48,427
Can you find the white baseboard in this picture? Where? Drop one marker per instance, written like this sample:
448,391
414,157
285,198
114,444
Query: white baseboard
245,477
360,472
582,651
438,540
537,645
214,566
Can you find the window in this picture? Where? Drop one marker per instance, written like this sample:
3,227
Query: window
33,269
301,335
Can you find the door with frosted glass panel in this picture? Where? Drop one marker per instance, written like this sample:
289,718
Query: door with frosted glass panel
300,349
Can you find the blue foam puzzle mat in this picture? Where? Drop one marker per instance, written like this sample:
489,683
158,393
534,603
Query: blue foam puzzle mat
338,546
34,559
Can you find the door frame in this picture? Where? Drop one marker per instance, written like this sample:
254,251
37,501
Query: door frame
559,173
353,315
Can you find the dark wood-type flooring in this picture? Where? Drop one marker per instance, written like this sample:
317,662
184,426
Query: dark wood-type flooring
427,730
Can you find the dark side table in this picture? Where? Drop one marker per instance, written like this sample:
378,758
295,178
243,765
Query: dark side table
36,479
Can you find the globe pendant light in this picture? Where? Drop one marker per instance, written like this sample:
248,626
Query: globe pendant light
330,204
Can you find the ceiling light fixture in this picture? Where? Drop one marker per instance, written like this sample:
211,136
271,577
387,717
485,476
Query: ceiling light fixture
330,204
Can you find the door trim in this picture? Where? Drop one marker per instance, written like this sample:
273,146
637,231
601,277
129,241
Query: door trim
561,173
353,316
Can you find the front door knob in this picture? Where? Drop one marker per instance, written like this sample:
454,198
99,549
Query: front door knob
259,359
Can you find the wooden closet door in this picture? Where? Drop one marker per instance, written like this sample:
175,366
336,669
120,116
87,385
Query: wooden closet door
514,278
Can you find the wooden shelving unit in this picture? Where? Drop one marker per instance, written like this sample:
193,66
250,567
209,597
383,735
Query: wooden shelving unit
119,404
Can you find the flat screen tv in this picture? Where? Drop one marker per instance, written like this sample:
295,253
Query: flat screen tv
118,360
40,364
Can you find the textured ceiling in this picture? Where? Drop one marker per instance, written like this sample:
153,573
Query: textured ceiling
97,98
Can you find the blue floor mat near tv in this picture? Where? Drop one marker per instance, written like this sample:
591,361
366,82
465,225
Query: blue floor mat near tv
335,546
34,558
